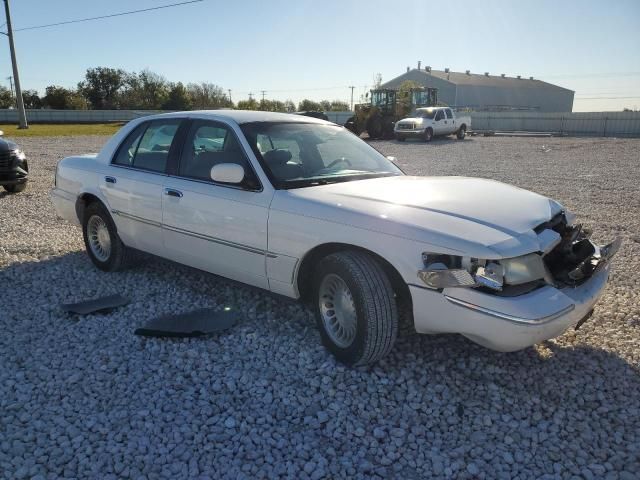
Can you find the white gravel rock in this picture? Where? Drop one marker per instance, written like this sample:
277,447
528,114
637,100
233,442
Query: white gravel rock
84,397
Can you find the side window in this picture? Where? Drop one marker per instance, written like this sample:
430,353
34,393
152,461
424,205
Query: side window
449,114
439,115
153,150
209,144
128,148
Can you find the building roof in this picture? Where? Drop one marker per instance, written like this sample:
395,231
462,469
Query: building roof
479,79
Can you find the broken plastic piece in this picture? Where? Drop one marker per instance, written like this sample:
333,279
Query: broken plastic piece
191,324
97,305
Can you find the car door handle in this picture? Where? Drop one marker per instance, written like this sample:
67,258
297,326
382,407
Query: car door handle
172,192
110,179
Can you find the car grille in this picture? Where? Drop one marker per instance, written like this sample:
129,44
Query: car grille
6,159
406,126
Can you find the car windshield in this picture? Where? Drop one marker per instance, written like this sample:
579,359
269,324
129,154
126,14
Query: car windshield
298,155
426,114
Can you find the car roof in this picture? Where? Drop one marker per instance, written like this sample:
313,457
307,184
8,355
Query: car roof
242,116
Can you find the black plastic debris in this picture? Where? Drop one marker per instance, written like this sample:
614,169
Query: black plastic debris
97,305
200,322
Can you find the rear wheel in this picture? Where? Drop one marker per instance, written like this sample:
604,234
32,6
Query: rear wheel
462,131
355,308
16,187
104,247
428,135
374,127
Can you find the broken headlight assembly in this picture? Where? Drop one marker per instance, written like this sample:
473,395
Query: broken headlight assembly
446,271
571,259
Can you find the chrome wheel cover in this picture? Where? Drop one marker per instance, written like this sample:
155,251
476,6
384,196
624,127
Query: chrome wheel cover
99,238
338,310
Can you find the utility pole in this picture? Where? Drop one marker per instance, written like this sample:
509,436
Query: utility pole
22,117
250,96
263,92
230,101
352,87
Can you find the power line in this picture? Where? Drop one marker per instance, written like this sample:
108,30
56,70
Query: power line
130,12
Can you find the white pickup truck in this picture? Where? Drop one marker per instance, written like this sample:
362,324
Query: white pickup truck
430,122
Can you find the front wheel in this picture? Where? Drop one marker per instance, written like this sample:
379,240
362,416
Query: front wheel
462,131
104,247
355,308
428,135
16,187
400,138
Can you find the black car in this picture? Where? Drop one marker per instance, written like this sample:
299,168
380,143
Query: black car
13,167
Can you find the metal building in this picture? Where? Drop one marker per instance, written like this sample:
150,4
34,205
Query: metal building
485,92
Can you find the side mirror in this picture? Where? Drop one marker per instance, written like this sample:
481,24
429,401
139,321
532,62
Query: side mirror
227,173
392,159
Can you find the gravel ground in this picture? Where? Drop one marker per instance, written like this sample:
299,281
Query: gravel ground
83,397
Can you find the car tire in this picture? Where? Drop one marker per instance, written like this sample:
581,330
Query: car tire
428,135
462,131
375,127
355,308
400,138
16,187
104,247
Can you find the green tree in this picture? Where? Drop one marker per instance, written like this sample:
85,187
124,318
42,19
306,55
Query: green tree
63,98
208,96
145,90
325,105
339,106
102,86
307,105
178,98
6,99
31,99
249,104
272,106
57,97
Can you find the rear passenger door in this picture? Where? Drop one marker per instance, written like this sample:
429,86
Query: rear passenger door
450,122
216,227
134,180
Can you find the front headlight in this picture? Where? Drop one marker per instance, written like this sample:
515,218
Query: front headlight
19,154
523,269
446,271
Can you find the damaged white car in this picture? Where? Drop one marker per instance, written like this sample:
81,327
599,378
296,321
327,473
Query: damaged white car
305,209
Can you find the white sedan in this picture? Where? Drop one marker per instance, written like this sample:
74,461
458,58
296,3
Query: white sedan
305,209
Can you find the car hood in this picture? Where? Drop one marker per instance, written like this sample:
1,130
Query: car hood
7,145
412,120
470,216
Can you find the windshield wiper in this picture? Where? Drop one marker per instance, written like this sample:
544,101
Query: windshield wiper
315,181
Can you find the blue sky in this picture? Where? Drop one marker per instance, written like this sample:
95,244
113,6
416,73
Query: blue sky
297,49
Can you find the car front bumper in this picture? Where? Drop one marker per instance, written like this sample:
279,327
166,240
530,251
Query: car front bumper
65,205
13,176
416,132
506,324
